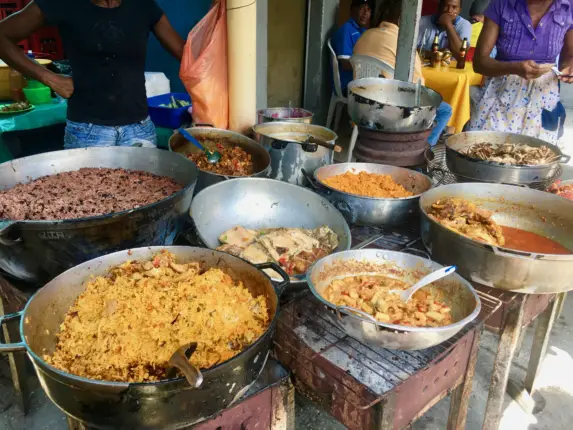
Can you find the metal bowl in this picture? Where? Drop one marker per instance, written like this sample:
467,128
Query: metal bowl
260,156
390,105
36,251
523,272
456,292
375,211
165,404
488,171
263,203
284,114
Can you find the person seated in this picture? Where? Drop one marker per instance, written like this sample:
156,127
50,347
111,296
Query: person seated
448,25
345,38
381,42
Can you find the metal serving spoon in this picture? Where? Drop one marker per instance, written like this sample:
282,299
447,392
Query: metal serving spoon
406,295
213,157
180,360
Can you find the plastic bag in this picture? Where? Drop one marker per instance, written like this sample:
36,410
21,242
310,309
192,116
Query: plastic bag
204,68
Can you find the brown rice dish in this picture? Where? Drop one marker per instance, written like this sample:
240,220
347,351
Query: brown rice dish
367,185
371,294
125,326
84,193
235,161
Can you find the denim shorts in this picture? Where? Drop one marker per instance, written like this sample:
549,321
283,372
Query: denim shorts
84,135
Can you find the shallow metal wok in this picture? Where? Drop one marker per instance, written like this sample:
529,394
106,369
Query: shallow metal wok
263,203
390,105
455,291
487,171
259,155
374,211
167,404
524,272
36,251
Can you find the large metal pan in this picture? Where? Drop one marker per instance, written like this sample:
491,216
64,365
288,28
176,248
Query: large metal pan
289,159
390,105
487,171
263,203
523,272
454,290
374,211
36,251
160,405
260,156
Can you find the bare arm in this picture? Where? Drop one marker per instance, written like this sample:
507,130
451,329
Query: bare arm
566,58
454,39
169,38
20,26
345,64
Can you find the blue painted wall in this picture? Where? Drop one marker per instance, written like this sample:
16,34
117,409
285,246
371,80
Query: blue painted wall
183,15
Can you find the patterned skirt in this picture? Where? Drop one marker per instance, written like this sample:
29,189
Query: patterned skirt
515,105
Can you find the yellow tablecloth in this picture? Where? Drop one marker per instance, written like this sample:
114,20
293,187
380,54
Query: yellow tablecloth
454,87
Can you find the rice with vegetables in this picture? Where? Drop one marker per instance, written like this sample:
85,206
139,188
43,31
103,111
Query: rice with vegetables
125,326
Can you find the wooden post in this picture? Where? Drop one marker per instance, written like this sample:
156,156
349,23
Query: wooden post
407,40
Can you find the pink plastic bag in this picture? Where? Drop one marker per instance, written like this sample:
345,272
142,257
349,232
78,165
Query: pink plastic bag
204,68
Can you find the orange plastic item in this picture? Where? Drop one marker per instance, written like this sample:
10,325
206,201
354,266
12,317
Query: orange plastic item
204,68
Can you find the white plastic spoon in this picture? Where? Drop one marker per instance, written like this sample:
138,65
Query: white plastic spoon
405,295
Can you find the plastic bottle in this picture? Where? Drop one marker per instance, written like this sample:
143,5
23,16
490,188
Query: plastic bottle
31,54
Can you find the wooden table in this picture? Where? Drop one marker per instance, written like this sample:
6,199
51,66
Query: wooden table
454,86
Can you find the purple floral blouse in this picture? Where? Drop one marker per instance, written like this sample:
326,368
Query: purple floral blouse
519,41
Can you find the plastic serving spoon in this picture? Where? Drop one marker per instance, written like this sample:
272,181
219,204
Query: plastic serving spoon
406,295
213,157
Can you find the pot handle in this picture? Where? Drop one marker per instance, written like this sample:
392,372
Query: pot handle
203,125
352,310
11,347
511,253
314,184
7,229
565,158
281,286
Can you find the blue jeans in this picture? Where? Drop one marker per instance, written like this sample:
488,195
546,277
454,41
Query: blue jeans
83,135
443,115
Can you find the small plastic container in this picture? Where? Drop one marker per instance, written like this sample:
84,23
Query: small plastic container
38,96
169,117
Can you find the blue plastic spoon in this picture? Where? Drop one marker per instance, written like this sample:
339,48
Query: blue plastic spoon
213,157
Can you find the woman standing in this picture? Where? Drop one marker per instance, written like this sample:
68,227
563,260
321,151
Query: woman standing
521,94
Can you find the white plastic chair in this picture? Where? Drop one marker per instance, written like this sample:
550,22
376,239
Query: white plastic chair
337,99
365,66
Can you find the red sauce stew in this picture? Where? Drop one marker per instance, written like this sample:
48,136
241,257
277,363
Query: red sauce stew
522,240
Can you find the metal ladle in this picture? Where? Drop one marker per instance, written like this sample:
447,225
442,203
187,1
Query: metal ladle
406,295
180,360
213,156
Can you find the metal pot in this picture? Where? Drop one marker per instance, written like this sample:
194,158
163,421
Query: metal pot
260,156
374,211
263,203
454,290
284,114
390,105
36,251
487,171
167,404
523,272
288,159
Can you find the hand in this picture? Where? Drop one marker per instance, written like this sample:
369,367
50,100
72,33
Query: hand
446,19
530,70
567,76
62,85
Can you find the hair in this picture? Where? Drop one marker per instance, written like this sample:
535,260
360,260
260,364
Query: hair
441,4
390,11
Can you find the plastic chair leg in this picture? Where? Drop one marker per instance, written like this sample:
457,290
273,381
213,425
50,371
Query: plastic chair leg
352,144
331,111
